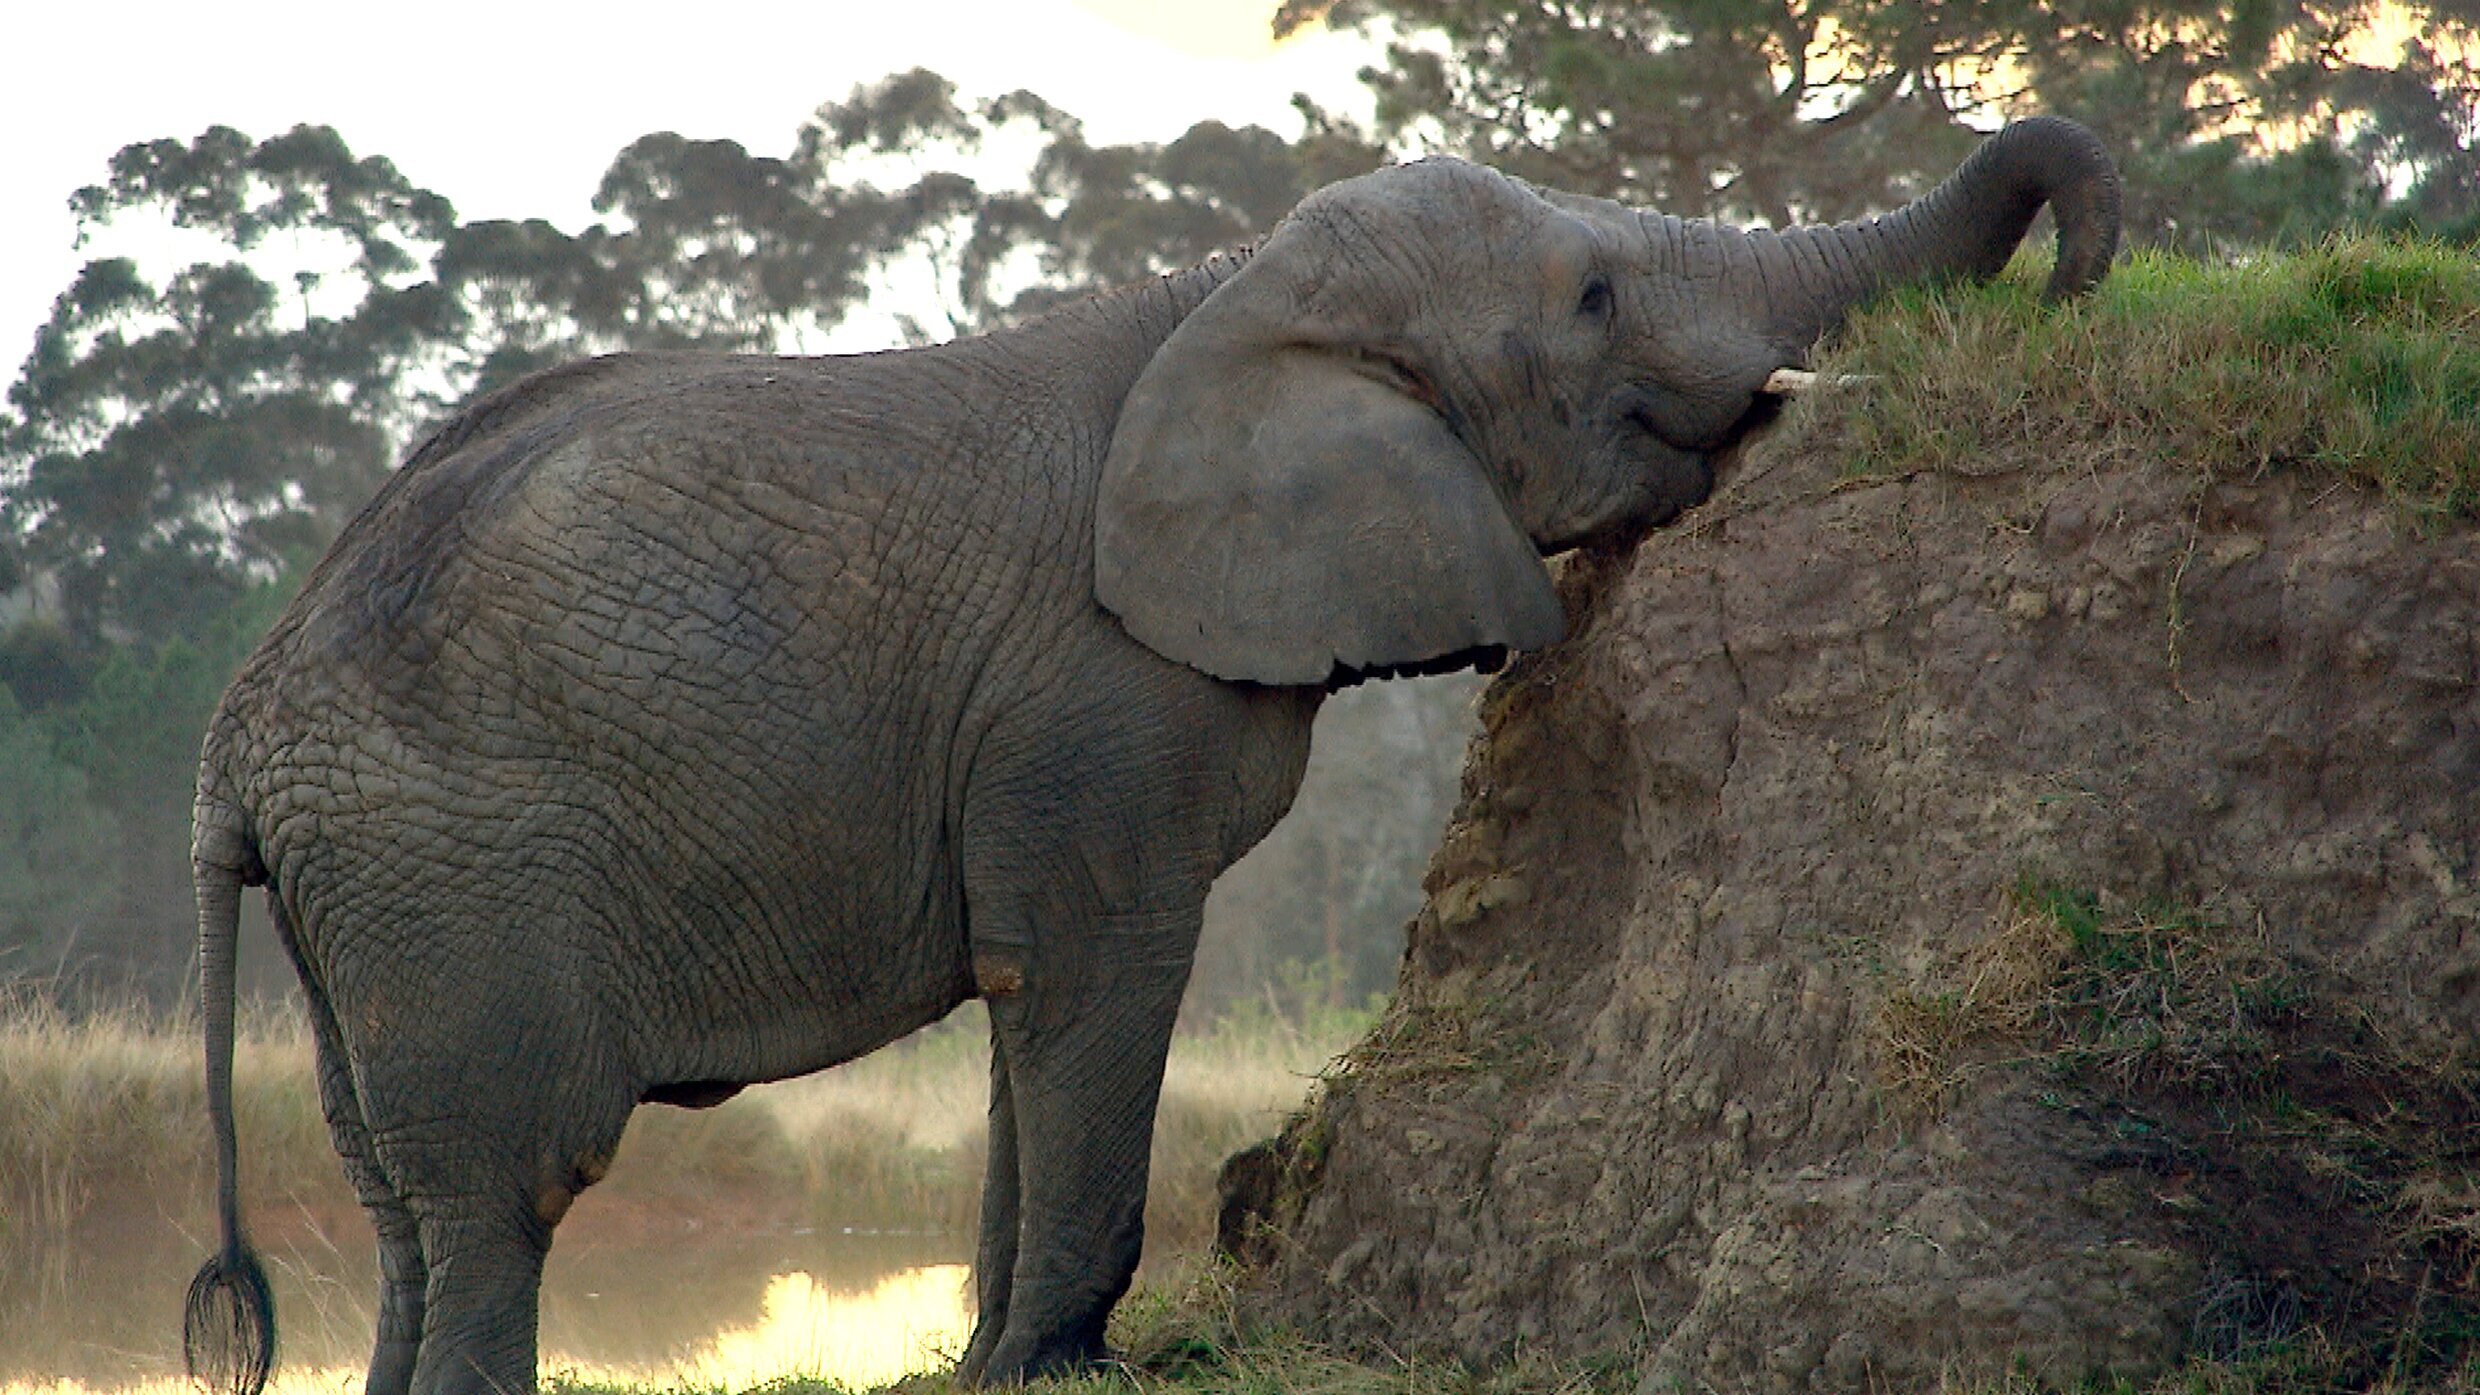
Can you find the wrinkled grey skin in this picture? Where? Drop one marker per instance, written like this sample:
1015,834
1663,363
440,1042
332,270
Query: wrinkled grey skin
671,723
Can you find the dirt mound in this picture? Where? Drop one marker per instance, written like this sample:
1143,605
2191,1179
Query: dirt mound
1933,925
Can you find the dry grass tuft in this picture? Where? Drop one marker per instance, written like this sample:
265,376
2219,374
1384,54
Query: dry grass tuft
1981,1010
1444,1027
2439,1208
2140,997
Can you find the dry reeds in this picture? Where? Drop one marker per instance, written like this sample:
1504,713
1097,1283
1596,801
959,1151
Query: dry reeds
98,1109
108,1111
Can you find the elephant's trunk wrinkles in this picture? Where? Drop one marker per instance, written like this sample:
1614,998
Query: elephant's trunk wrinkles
1964,229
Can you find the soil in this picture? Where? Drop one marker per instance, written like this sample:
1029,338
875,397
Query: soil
1653,1097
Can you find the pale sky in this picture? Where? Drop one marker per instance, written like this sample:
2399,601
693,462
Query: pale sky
512,109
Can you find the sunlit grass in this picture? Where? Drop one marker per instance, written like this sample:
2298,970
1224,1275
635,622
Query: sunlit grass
810,1334
1185,1334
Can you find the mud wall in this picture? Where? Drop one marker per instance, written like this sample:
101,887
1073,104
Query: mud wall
1936,924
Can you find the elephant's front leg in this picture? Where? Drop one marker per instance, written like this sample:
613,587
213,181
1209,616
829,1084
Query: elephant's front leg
994,1261
1083,1047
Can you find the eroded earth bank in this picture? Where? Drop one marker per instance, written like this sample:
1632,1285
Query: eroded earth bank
1934,925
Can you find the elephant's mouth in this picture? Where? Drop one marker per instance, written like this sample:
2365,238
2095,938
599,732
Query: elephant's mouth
1667,457
1676,477
1764,409
1761,411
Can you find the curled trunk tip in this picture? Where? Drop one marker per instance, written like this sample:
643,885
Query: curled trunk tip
2051,160
1965,229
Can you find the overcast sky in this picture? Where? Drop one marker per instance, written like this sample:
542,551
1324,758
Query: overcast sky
512,108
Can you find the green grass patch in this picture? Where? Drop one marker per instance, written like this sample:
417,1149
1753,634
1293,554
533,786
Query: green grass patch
2162,995
2134,998
2358,361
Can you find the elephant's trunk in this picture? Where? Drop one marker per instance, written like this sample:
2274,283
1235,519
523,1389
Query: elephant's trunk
1965,228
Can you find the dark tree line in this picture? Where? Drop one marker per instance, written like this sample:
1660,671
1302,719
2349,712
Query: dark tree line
182,443
2235,124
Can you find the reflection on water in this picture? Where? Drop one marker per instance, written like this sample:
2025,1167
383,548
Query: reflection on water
912,1321
646,1301
917,1320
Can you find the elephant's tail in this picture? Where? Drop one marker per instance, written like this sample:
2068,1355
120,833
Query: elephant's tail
228,1329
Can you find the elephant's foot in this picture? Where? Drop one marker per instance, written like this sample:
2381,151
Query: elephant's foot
1017,1356
976,1362
391,1367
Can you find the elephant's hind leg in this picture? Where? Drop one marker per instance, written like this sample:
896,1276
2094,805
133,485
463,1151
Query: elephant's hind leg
402,1274
489,1119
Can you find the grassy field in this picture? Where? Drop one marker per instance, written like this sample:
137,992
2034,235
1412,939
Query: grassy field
896,1139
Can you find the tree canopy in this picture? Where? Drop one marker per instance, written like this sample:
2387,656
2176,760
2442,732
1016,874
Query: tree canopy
2234,123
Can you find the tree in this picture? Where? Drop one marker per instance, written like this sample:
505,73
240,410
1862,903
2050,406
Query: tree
2234,122
779,250
55,852
173,442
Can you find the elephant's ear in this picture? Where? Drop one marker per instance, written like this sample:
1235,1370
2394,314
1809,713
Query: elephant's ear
1277,504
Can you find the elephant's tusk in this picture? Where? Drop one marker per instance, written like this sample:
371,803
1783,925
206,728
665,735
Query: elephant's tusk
1790,382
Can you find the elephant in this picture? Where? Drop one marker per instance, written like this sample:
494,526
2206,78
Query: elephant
674,722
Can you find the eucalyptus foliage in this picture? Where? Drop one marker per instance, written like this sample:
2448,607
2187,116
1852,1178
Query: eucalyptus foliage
2233,123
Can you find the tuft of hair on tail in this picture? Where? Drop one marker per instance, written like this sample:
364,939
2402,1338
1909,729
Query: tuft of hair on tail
228,1327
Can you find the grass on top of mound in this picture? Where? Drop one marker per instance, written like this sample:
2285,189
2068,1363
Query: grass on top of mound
2358,360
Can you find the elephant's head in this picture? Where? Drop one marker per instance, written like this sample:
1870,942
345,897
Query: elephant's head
1352,456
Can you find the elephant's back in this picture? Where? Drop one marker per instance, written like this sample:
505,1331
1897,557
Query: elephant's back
636,524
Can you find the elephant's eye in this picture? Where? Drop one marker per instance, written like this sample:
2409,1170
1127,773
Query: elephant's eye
1594,304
